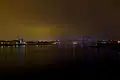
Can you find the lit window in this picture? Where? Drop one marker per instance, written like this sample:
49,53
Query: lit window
1,42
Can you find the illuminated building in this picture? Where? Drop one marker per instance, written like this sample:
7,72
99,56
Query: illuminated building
2,42
21,40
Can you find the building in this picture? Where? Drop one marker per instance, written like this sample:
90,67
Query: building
2,42
9,43
31,43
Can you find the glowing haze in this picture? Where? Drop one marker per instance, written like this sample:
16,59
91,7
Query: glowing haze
51,19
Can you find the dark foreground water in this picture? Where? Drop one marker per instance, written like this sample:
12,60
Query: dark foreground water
59,62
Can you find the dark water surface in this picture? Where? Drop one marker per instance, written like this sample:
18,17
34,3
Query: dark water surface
68,61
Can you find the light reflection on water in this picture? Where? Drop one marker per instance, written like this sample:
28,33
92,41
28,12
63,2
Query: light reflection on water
19,56
96,52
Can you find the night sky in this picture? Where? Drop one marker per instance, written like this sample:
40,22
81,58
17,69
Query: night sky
52,19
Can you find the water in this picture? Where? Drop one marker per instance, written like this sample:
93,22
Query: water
70,57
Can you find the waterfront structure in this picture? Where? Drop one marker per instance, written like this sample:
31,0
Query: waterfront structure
10,43
31,42
2,42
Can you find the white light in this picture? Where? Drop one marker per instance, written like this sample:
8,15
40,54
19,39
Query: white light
36,45
55,43
39,40
103,42
20,41
24,43
118,41
75,42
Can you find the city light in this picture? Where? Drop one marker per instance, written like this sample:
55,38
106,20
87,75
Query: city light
36,45
118,41
20,41
74,42
85,42
54,43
